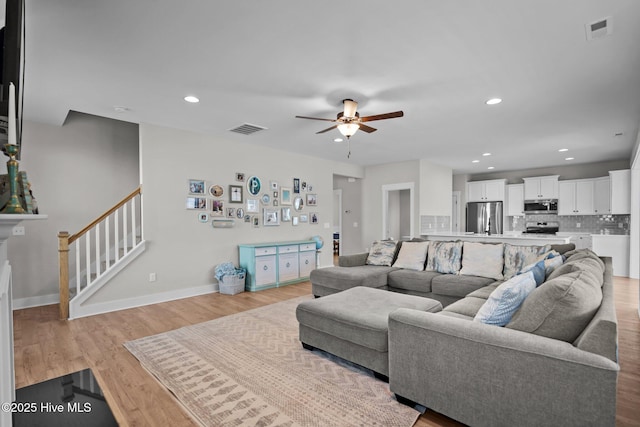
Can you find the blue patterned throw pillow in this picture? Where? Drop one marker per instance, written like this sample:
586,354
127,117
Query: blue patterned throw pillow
505,300
538,270
382,252
444,257
516,257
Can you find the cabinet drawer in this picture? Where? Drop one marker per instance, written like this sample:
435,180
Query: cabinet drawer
265,270
271,250
287,267
307,263
288,249
307,247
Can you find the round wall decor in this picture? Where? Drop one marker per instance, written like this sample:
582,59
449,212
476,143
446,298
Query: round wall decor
254,185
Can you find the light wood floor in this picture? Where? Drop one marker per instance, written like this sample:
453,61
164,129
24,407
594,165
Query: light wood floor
46,347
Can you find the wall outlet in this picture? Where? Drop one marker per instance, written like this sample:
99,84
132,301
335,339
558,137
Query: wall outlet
355,225
327,225
620,225
18,230
578,225
152,277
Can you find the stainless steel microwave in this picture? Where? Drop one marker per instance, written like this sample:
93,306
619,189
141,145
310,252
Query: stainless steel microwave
541,206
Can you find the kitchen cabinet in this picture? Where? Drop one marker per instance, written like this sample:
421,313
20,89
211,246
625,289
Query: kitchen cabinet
575,197
484,191
541,187
515,199
620,192
277,264
615,246
602,196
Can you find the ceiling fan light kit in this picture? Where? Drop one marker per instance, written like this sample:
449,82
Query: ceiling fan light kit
348,122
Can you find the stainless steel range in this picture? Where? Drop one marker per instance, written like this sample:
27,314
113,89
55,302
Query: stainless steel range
542,228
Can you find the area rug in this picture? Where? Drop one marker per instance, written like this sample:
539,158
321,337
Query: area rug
249,369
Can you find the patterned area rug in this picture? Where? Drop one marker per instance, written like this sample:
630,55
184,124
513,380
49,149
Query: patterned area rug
249,369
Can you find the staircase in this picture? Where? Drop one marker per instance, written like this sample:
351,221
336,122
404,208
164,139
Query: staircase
98,252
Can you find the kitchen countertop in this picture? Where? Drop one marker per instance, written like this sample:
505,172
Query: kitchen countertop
510,237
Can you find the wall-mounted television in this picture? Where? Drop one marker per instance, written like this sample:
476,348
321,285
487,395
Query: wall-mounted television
12,67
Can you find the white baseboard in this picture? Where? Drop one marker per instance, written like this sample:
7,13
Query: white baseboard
29,302
123,304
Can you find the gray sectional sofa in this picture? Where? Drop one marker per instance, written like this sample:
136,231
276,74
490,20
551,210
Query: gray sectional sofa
554,363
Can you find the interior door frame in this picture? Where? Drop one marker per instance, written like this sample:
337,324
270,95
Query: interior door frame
338,192
456,213
385,205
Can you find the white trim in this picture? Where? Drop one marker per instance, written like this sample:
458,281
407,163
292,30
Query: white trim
457,196
385,205
338,192
37,301
123,304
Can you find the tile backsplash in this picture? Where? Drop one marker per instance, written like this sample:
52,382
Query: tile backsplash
593,224
431,223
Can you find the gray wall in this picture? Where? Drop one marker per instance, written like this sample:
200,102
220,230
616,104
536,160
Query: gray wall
77,172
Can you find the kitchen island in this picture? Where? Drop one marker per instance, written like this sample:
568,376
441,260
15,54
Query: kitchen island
513,238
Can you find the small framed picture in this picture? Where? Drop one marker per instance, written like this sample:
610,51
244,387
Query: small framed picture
217,207
240,176
294,220
196,186
304,218
313,218
216,190
285,195
309,187
254,185
247,218
274,185
196,203
271,217
231,212
303,186
312,199
253,206
240,213
203,217
296,185
286,214
235,194
275,202
275,194
256,221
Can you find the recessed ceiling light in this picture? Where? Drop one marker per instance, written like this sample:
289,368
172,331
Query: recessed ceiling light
562,150
619,134
338,140
491,167
475,161
191,99
120,109
493,101
486,154
569,158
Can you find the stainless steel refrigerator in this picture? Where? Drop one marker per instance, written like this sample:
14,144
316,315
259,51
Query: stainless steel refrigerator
484,217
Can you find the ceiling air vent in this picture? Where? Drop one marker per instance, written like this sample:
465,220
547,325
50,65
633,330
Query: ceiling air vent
599,29
247,129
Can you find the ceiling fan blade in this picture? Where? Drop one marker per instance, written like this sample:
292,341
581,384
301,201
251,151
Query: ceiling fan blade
315,118
382,116
367,129
327,129
350,107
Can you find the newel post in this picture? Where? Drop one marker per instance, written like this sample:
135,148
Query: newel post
63,255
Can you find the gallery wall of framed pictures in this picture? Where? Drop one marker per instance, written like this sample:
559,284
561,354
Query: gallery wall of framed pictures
253,201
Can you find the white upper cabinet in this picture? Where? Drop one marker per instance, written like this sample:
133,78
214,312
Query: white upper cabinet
620,192
602,196
486,191
575,197
515,199
541,187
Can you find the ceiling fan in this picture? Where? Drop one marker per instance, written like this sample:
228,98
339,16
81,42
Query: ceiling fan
349,121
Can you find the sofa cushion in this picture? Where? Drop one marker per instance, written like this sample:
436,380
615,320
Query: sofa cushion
583,253
412,280
468,307
444,257
485,291
580,264
516,257
505,300
412,255
341,278
382,252
457,285
560,308
482,259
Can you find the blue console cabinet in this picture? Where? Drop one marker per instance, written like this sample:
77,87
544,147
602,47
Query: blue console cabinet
274,264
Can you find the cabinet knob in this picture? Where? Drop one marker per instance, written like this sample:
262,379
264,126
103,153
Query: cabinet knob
288,264
265,268
306,261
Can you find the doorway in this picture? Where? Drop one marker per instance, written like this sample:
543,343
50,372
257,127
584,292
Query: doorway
398,218
337,222
455,211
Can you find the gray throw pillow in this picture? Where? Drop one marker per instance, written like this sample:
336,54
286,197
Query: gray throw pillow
560,308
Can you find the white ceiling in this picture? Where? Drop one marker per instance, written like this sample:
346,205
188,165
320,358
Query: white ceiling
263,62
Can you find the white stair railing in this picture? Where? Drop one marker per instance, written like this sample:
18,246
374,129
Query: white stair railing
98,247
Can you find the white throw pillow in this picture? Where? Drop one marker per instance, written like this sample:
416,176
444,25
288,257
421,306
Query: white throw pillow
482,259
412,255
505,300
